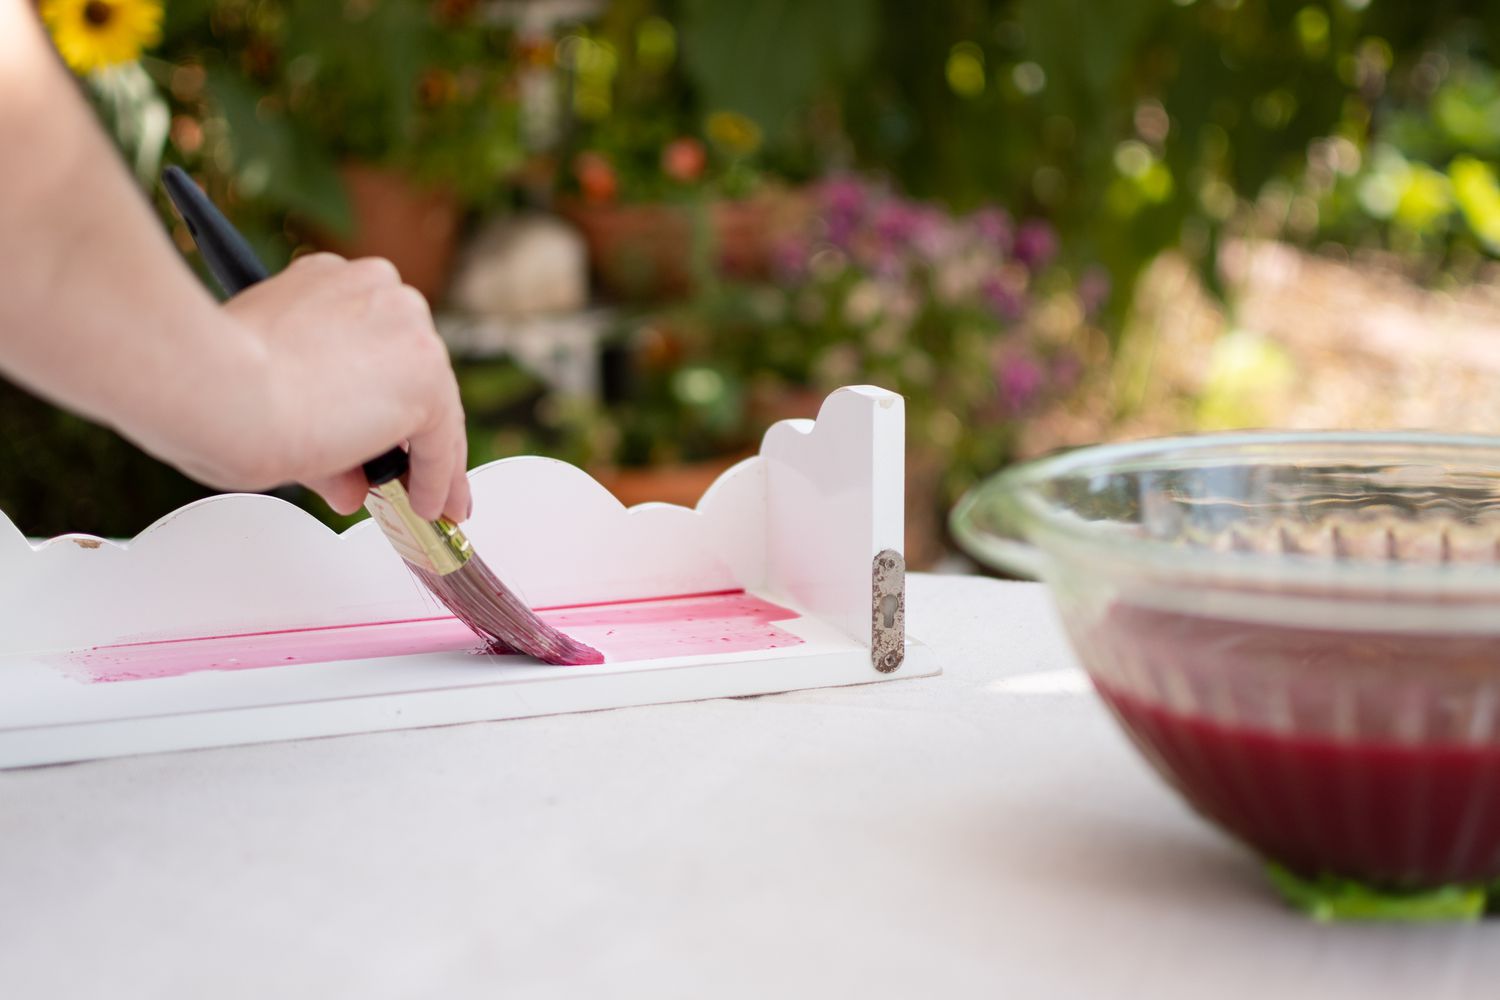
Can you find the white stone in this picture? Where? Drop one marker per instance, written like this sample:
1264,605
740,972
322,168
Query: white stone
523,265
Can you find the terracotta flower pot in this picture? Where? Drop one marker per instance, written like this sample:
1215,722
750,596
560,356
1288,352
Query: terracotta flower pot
770,402
644,252
413,227
748,231
683,484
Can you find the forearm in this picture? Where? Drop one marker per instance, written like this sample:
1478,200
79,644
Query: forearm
98,312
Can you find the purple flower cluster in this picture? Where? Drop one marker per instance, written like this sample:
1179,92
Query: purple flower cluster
1019,378
890,237
1006,302
994,226
1093,290
977,270
1035,244
842,202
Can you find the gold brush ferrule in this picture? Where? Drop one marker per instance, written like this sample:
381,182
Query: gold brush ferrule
436,546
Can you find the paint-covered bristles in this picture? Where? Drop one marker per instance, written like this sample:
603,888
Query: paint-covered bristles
481,601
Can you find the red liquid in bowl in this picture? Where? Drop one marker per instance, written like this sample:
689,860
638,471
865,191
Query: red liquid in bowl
1368,755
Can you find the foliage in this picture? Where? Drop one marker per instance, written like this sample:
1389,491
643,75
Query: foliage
637,132
1156,125
270,97
968,317
1327,898
1425,184
1133,128
766,60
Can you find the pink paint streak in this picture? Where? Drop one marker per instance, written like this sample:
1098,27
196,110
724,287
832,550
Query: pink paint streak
731,622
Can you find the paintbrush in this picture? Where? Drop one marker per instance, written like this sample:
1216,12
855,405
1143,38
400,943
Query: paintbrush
436,552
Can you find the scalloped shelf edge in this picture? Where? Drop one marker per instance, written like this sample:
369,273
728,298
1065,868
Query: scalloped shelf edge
800,521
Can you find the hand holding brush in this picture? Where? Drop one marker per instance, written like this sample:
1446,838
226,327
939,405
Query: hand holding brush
433,547
352,363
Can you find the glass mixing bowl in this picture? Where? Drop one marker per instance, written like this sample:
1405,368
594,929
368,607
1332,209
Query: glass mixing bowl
1301,632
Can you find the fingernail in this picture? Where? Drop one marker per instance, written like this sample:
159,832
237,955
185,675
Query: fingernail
470,511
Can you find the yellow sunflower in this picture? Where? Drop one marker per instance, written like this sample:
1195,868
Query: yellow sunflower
94,34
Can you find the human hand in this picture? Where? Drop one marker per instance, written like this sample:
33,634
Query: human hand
350,364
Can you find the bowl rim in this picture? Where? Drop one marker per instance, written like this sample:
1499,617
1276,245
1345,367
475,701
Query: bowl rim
1041,532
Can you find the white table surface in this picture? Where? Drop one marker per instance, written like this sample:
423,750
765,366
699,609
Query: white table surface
982,833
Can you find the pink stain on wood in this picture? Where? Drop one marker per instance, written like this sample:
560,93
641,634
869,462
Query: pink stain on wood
692,625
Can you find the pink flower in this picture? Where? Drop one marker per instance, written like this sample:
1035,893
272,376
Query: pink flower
1067,369
684,160
789,259
1036,244
994,226
596,177
845,202
1003,299
897,222
1093,290
1019,379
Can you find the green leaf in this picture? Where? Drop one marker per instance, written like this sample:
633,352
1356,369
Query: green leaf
274,161
1328,898
366,63
1478,193
1468,111
767,60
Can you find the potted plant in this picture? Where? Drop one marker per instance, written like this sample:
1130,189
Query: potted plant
969,317
659,219
674,418
367,128
665,187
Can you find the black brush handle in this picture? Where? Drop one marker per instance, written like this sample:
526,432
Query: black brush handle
229,258
235,267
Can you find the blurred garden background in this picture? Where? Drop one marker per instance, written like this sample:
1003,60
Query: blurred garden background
649,228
